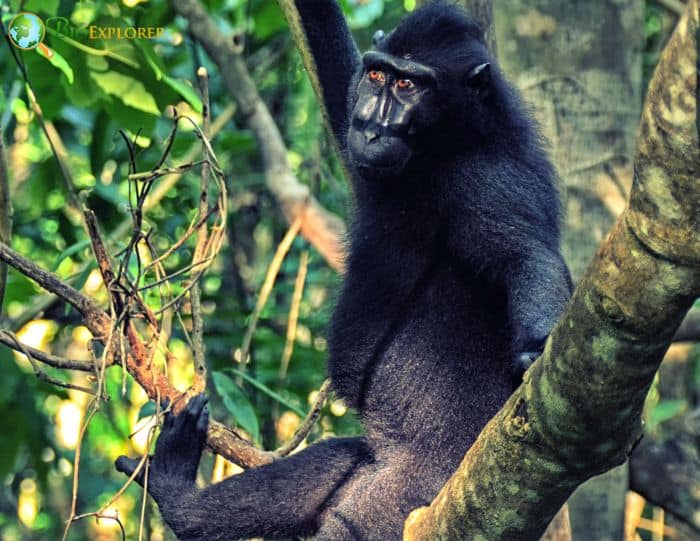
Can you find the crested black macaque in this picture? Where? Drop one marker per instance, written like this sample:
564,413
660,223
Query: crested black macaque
454,275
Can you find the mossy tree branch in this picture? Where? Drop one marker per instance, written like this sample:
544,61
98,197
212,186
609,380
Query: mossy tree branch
578,412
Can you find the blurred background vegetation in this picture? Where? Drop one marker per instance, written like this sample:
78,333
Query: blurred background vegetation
89,97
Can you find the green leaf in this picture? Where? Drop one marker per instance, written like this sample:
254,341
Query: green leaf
268,21
130,91
183,89
237,403
75,248
56,60
266,390
42,6
364,13
148,409
666,410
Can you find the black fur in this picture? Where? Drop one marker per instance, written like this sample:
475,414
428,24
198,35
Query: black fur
454,271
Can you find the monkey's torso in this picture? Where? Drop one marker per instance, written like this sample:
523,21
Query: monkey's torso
420,344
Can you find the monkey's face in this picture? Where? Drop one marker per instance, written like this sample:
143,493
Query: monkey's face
393,97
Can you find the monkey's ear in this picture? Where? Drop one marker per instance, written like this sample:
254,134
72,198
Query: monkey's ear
377,37
479,78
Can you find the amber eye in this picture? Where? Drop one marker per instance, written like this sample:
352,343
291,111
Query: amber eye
375,75
404,84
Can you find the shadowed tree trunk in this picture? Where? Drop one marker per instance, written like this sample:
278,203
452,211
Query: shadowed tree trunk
579,66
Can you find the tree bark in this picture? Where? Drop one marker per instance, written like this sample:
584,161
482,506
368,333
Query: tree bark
578,412
5,216
579,66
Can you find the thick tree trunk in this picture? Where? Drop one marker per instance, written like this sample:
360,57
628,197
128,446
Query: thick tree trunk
579,65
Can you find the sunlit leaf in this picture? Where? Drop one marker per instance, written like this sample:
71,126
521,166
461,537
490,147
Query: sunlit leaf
237,403
666,410
57,61
183,89
130,91
71,250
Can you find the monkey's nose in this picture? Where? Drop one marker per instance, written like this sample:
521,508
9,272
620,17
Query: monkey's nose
370,136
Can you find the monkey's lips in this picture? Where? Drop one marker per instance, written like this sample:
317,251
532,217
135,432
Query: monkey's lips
383,156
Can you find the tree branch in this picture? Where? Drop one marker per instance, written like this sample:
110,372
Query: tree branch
220,439
321,228
5,215
668,475
578,412
11,341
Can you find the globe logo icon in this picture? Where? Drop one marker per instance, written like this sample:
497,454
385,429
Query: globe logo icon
26,30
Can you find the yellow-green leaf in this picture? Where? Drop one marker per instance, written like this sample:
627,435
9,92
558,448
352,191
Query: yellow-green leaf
128,90
56,60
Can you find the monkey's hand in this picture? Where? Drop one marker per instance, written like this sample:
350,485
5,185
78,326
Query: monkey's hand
174,464
524,358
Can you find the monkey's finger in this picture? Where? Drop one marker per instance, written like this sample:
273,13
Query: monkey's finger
203,420
169,415
194,408
127,466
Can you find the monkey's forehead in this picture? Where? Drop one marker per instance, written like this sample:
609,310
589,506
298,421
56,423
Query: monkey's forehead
381,60
437,35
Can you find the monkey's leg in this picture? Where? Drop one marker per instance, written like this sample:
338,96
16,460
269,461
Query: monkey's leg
281,499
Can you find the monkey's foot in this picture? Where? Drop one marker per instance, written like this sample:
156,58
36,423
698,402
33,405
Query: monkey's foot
178,449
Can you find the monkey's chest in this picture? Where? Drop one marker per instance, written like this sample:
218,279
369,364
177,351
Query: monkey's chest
444,361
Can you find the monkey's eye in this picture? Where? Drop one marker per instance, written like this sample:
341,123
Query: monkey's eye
376,76
404,84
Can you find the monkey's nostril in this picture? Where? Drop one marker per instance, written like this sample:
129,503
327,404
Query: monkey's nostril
371,136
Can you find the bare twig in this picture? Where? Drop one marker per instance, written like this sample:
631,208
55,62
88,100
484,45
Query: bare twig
309,421
95,318
57,147
76,468
321,228
198,348
266,288
161,190
10,340
5,215
39,373
294,314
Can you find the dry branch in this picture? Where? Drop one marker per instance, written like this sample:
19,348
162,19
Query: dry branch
321,228
578,412
198,350
5,215
10,340
220,439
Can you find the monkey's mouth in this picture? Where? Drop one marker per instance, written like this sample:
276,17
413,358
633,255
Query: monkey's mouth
384,156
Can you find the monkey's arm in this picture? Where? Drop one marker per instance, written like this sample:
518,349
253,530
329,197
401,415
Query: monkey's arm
538,287
504,230
335,55
282,499
536,282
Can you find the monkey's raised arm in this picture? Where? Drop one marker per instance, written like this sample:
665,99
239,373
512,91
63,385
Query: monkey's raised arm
333,51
